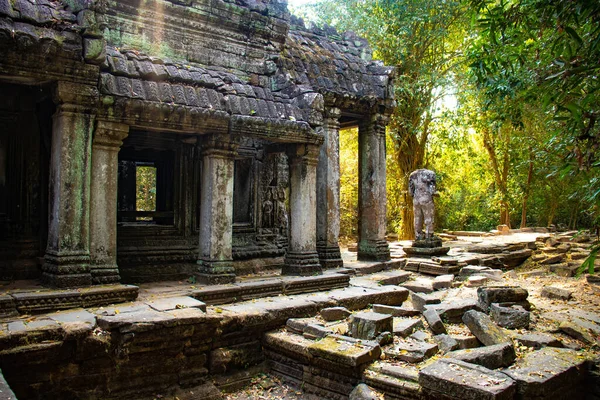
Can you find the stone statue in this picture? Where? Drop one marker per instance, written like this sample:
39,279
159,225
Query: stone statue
421,186
267,210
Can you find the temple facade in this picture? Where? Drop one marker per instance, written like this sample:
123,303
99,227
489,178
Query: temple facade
232,107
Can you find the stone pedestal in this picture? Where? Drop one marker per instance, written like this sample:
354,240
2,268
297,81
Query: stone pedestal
372,200
328,193
108,138
215,261
302,258
427,248
67,258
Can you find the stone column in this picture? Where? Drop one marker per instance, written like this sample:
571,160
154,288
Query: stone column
302,257
328,192
372,200
67,259
108,138
216,210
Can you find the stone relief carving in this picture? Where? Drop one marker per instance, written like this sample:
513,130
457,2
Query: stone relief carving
267,210
274,184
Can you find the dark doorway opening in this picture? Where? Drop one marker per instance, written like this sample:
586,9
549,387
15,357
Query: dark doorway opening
25,146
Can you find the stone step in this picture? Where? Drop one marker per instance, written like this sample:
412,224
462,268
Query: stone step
223,294
49,300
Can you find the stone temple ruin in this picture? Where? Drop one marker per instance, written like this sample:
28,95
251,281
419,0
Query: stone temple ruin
234,108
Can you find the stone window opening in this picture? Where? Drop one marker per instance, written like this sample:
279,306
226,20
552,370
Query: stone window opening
145,199
146,180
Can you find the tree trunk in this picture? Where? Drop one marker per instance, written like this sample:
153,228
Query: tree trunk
527,190
500,174
409,153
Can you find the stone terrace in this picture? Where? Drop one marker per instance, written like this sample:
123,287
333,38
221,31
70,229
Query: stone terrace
476,333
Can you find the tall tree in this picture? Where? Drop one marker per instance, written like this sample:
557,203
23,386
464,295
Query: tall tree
421,39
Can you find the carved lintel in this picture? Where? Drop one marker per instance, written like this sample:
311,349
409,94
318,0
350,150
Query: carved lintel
76,97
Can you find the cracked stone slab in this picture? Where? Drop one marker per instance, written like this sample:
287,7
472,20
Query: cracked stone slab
367,325
412,351
406,326
175,303
492,357
395,311
549,373
538,340
344,352
455,379
482,326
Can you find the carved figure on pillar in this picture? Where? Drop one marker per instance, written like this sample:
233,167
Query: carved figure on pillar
421,187
282,215
267,210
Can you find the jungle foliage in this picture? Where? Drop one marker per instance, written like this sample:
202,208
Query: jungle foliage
500,97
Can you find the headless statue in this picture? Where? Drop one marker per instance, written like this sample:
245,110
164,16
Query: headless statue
421,186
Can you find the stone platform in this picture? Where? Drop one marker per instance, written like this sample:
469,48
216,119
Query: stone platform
41,300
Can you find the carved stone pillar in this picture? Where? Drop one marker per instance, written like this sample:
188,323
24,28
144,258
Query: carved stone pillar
328,192
108,138
216,210
302,257
372,200
67,259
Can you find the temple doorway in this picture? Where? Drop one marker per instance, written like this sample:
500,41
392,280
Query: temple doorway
25,143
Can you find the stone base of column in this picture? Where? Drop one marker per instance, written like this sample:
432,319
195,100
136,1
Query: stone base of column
376,250
215,272
302,264
66,270
105,274
329,256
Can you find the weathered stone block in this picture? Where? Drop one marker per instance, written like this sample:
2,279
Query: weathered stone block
420,335
175,303
433,320
315,331
405,327
549,373
455,379
538,340
394,311
335,313
476,280
513,317
418,286
367,325
577,331
420,301
500,294
453,311
442,282
227,359
482,326
492,357
555,259
467,342
412,351
347,353
445,343
363,392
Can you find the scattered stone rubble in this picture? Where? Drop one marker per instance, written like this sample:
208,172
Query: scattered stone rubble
378,337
